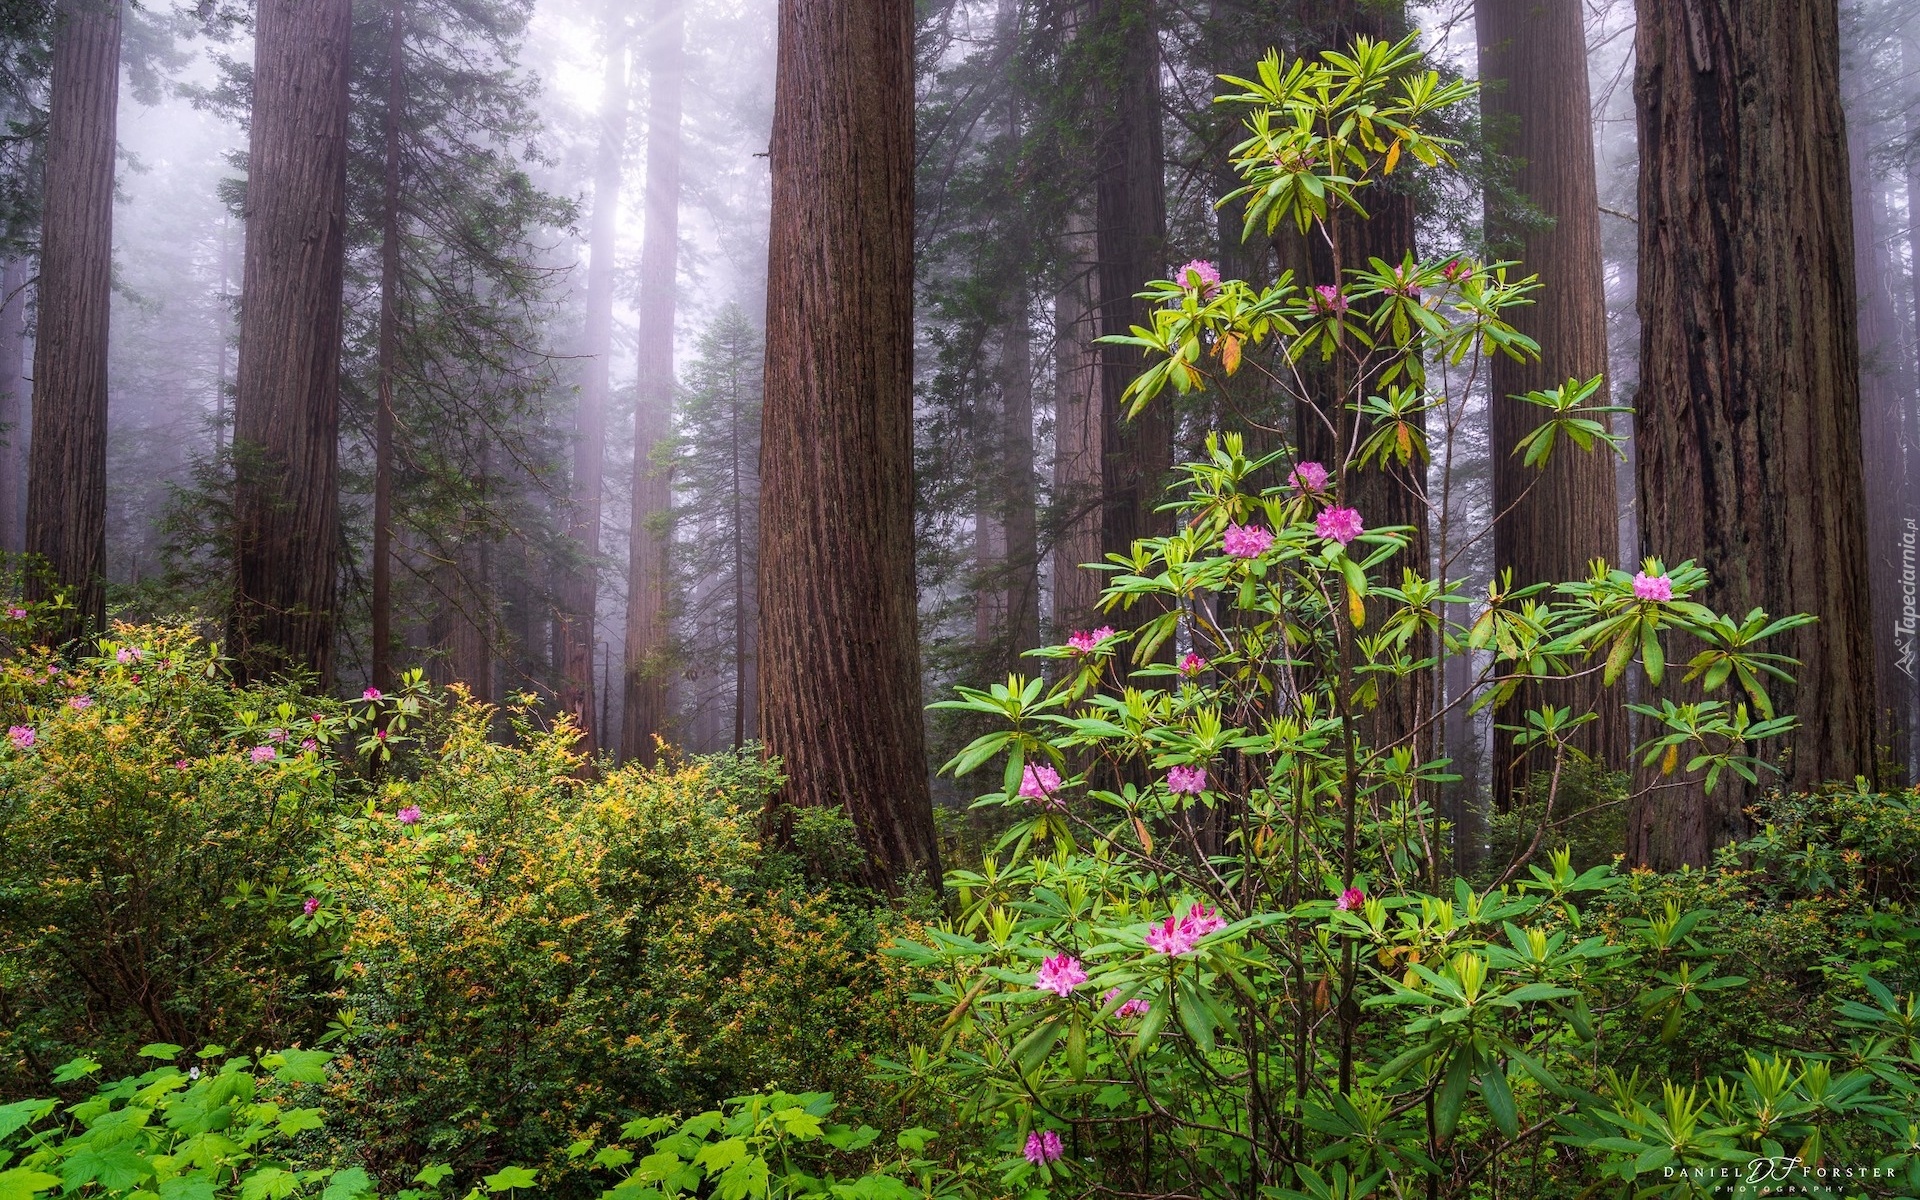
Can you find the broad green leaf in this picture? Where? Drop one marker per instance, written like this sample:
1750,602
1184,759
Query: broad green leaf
507,1178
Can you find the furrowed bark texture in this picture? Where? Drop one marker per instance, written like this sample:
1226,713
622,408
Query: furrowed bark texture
645,712
287,388
389,351
1550,522
1748,419
1130,233
839,660
1077,436
67,472
580,589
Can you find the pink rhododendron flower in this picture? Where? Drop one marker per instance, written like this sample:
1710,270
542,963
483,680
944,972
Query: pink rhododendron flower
1458,268
127,654
261,754
1043,1146
1060,975
80,703
1202,921
21,736
1328,299
1171,937
1652,587
410,815
309,746
1352,900
17,614
1039,782
1247,541
1187,781
1192,664
311,907
180,764
380,735
276,735
1340,524
1135,1007
1199,274
371,693
1084,641
1309,477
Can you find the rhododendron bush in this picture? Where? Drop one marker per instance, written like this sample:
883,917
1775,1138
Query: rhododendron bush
1213,954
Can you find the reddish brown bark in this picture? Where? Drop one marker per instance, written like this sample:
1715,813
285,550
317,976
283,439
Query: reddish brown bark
1077,438
1550,522
67,471
839,661
287,391
645,713
1748,418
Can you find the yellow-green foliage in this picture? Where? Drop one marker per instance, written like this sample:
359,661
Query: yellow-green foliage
145,859
541,954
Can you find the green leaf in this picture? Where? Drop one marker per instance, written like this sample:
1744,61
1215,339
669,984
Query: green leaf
1499,1098
721,1155
432,1174
507,1178
269,1183
23,1184
114,1169
299,1120
188,1187
298,1066
350,1184
22,1113
915,1139
165,1051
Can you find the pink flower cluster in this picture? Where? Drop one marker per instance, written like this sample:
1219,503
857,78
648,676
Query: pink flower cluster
1192,664
1339,524
21,736
1084,641
1039,783
1199,275
410,815
372,693
128,654
1135,1007
1043,1146
1187,781
1309,477
1179,936
1329,299
311,906
16,613
1247,541
1352,900
80,703
1652,587
261,754
1060,974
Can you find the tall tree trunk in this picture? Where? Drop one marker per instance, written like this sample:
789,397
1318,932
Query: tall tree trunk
1550,523
286,407
13,406
389,351
221,381
645,713
67,484
1748,420
1130,232
574,624
1078,441
1883,394
1020,593
840,698
1906,615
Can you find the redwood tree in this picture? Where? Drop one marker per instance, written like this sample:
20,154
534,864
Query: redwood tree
67,472
1549,523
839,659
1748,417
13,408
644,713
580,589
286,408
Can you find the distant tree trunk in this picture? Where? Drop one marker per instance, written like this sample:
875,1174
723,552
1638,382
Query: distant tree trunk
840,699
1748,419
221,381
389,351
1130,240
67,484
1549,523
1884,392
1078,439
13,407
1020,602
645,713
580,590
737,502
286,405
